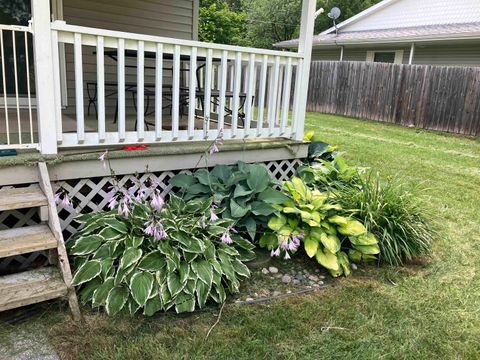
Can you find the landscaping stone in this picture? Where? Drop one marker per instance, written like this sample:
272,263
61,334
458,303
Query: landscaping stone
353,266
248,299
296,282
320,283
287,279
273,270
276,293
313,277
265,271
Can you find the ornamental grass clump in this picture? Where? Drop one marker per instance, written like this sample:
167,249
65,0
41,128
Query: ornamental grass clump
153,256
392,213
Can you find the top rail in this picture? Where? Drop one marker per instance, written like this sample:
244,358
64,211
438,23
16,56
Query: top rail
15,28
62,26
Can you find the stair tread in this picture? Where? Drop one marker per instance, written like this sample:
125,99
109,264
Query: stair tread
31,287
25,240
21,198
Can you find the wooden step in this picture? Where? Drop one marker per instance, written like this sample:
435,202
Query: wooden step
21,198
31,287
25,240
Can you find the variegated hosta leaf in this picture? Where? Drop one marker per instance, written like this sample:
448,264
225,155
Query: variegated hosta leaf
130,257
141,286
116,300
202,290
85,245
203,270
101,293
174,284
88,271
153,261
331,242
152,306
184,303
240,268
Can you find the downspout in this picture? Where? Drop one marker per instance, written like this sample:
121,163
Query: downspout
412,54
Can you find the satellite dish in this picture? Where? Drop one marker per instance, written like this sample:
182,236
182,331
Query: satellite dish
335,13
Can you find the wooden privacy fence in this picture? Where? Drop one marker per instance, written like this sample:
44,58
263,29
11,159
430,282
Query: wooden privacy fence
445,98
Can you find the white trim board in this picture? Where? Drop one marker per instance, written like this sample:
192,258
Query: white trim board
360,15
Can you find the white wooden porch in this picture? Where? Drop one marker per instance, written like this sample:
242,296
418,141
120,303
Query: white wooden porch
195,90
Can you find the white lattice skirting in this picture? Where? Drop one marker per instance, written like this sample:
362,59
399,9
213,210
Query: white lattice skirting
90,195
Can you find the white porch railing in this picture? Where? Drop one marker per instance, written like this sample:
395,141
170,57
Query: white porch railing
244,92
195,90
17,117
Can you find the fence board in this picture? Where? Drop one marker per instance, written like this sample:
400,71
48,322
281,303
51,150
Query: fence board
445,98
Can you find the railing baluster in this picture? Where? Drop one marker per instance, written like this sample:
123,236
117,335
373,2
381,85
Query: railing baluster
79,87
121,88
272,96
101,88
192,93
17,100
236,92
261,94
57,87
296,96
158,91
286,95
208,93
250,92
29,99
176,92
279,95
4,80
140,90
222,89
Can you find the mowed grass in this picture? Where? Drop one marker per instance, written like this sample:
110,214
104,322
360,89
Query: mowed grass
427,310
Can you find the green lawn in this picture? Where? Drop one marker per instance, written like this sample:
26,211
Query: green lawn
428,310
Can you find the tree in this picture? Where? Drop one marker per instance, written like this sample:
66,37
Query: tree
220,24
271,21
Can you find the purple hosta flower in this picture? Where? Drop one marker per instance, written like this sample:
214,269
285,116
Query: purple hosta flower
226,238
214,148
213,216
123,208
141,193
112,203
287,256
275,253
157,201
155,228
61,198
103,160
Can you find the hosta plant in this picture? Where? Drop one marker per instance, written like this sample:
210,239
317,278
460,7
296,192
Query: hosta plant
157,257
244,193
326,230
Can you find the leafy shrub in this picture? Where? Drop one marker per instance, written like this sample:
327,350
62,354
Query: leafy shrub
387,209
244,193
156,257
327,231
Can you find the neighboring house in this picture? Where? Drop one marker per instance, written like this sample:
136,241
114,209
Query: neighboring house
437,32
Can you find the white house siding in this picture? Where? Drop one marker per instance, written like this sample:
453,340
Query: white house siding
168,18
458,55
407,13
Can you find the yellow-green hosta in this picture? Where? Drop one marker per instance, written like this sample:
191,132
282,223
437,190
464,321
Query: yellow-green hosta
328,233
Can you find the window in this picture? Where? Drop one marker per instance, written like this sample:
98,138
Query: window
385,56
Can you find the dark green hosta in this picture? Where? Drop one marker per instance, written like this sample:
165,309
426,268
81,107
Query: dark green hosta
244,193
118,266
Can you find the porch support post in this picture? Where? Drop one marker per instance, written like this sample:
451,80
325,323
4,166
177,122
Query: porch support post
44,78
412,54
304,48
341,52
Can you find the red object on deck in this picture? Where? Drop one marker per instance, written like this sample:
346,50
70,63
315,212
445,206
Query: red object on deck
135,147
